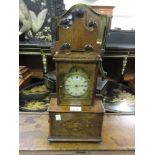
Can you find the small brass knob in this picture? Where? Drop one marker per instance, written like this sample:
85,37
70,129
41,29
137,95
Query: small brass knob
89,47
66,46
92,24
65,23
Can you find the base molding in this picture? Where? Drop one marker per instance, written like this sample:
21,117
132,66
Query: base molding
64,139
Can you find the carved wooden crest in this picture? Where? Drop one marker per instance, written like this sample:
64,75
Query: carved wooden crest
82,29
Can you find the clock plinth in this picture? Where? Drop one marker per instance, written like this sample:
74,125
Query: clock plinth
75,123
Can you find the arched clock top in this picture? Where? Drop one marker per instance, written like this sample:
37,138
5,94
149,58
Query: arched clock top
83,7
81,28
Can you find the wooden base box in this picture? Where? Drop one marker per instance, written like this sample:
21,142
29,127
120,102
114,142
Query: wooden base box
75,123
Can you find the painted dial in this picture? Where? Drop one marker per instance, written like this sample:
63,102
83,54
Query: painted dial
76,85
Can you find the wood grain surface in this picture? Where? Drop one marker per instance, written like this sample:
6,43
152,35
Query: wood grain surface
96,108
82,125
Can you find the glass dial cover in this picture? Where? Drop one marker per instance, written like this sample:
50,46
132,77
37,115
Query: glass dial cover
76,85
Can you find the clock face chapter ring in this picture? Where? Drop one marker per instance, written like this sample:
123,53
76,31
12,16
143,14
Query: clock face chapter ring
76,84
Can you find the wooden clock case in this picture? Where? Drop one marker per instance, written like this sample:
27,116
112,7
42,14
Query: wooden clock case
79,45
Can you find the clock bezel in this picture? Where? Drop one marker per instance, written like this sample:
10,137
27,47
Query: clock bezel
76,71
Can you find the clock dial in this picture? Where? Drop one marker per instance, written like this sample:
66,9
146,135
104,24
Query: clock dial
76,85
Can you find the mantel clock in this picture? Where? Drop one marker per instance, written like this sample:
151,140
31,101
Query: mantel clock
76,115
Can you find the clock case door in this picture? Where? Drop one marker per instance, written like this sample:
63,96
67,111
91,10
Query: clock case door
88,67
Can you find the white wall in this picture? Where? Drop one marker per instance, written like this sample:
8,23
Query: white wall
123,13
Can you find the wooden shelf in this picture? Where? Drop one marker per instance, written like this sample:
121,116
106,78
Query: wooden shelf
24,81
37,73
107,10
